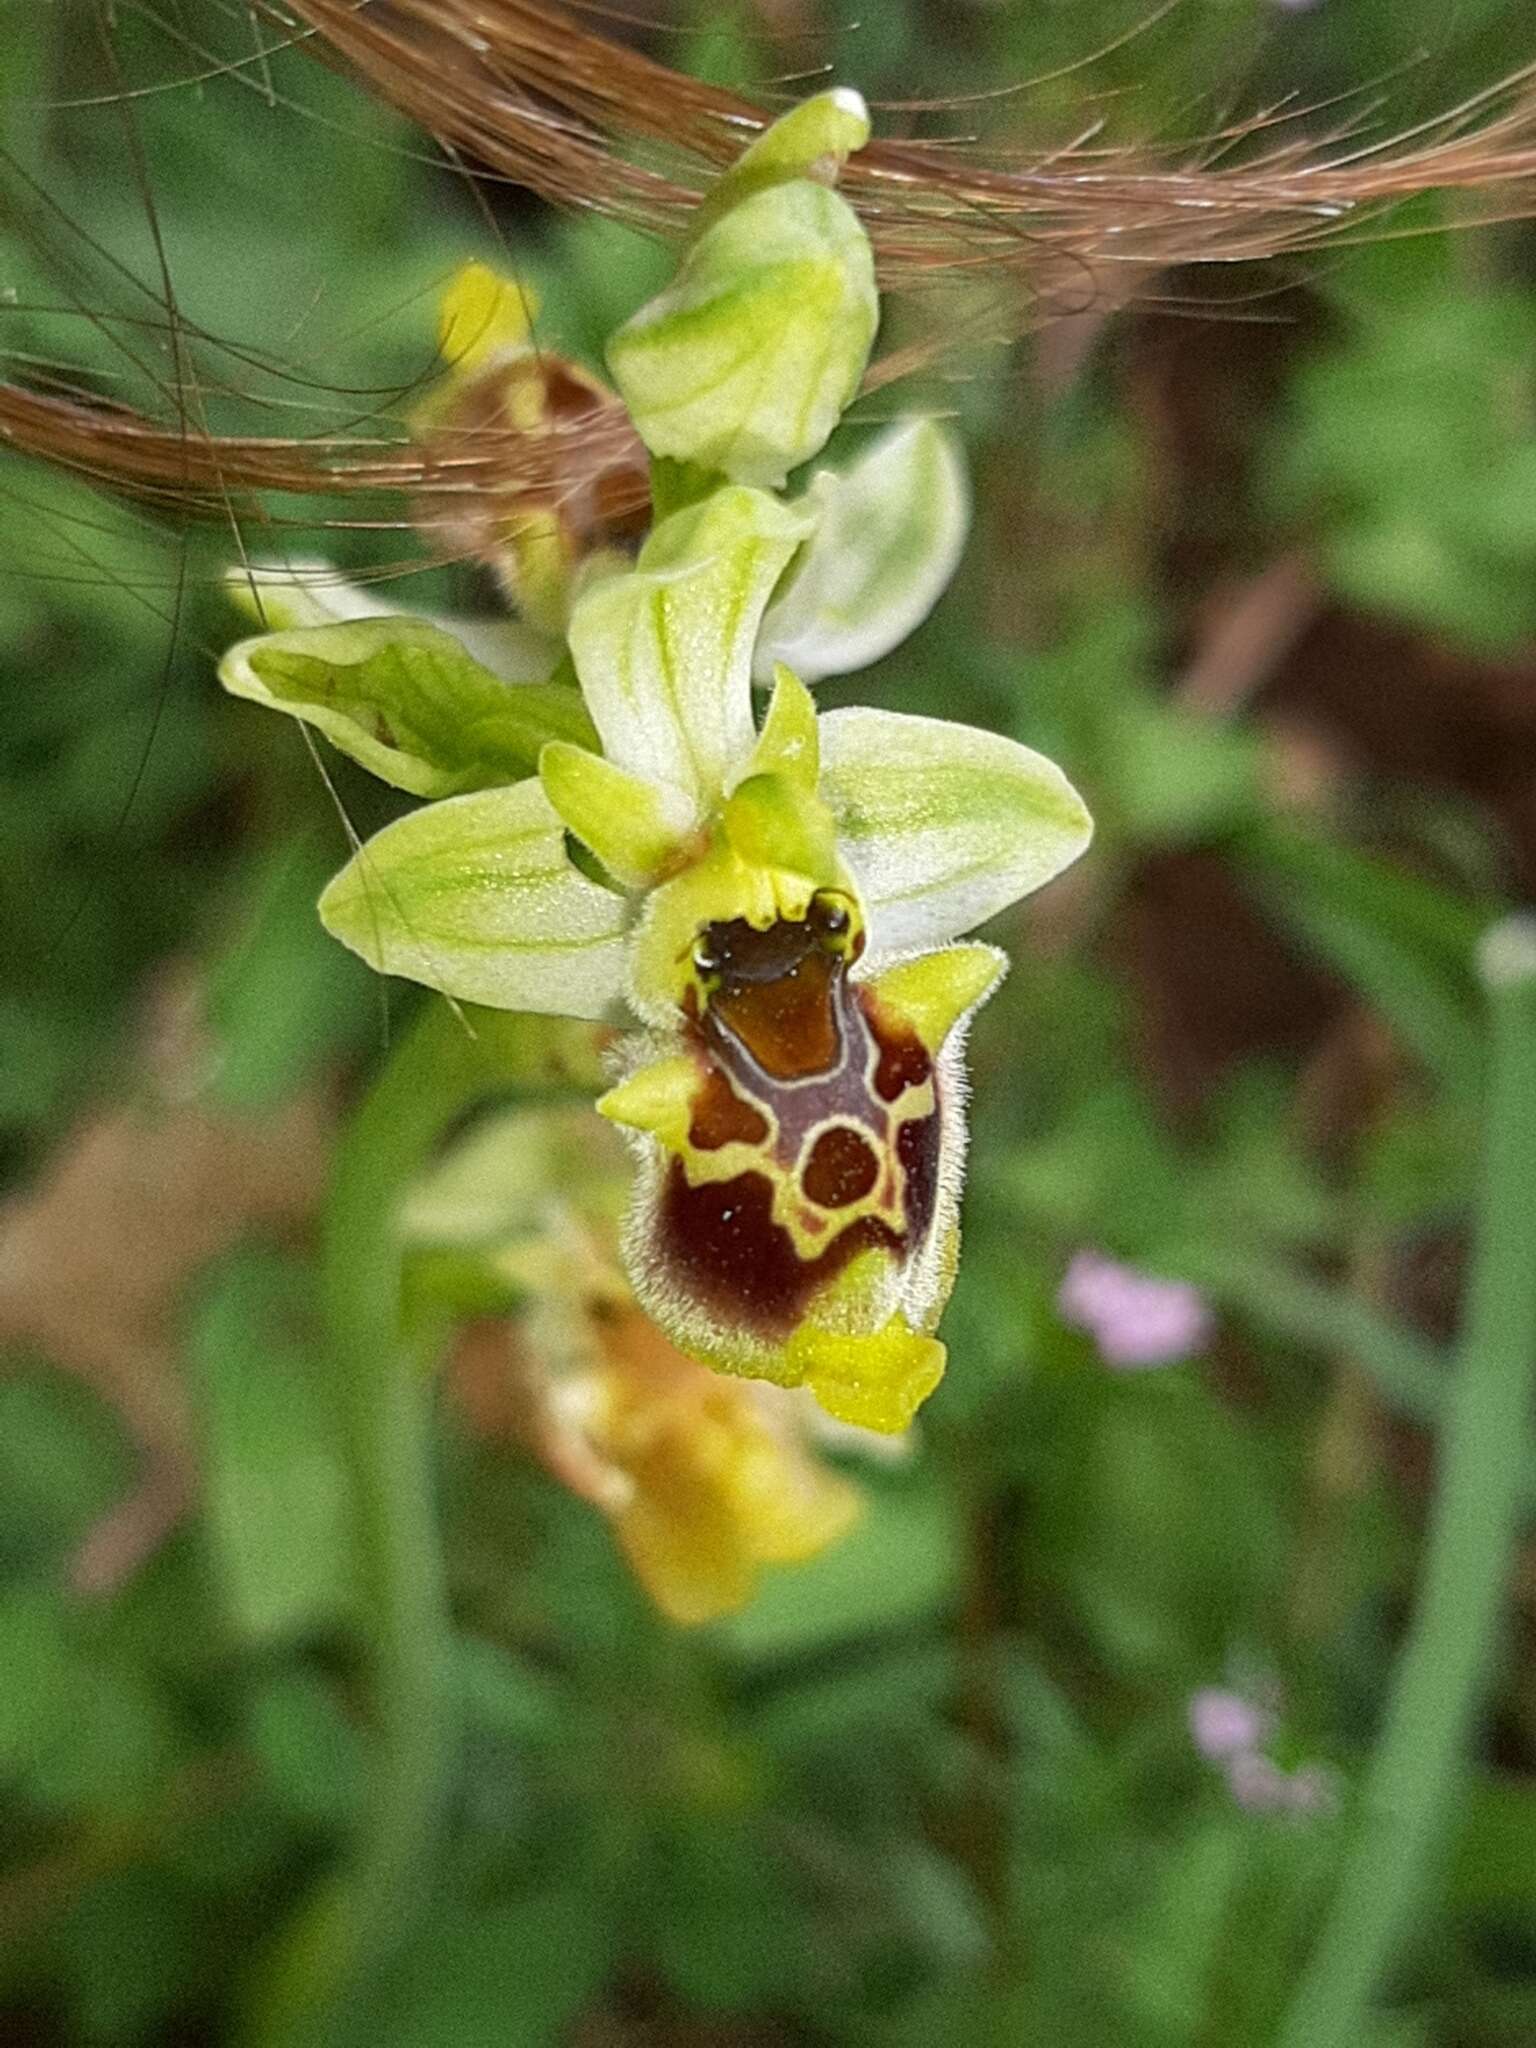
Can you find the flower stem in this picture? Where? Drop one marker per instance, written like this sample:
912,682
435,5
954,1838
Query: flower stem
1448,1657
445,1064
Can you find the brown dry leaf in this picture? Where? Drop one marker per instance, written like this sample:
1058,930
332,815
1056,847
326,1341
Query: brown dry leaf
96,1255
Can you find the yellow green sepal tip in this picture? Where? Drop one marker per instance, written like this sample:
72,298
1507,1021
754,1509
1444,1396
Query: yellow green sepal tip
482,313
788,744
813,140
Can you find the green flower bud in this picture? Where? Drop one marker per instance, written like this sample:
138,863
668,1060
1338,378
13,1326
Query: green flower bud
745,363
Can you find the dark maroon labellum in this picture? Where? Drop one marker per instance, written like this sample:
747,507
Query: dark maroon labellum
823,1113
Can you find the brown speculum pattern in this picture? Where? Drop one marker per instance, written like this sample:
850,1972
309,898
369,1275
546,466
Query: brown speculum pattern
815,1126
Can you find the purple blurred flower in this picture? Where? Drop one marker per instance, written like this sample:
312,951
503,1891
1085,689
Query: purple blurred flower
1135,1319
1259,1785
1223,1724
1233,1732
1256,1782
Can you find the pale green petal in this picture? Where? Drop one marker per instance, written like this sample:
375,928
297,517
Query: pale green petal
664,651
745,363
943,825
634,827
890,532
788,743
308,591
475,897
405,699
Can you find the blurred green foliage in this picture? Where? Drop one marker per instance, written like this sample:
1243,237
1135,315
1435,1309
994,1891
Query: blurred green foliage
939,1784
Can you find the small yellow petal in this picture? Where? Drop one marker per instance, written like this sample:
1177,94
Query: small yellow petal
788,744
634,827
480,314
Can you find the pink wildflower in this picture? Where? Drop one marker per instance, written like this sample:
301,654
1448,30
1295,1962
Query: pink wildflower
1224,1724
1234,1732
1259,1785
1136,1319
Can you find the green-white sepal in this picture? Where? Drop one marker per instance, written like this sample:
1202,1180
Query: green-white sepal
745,363
475,897
890,531
306,591
664,651
405,699
942,825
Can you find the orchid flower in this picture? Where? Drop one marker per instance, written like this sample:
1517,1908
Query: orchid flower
766,910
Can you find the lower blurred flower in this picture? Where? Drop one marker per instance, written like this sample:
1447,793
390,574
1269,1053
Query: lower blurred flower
1135,1319
718,1476
705,1480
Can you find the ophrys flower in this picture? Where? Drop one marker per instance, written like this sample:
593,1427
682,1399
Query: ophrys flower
765,903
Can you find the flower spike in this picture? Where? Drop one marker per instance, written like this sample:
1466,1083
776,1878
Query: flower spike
772,907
